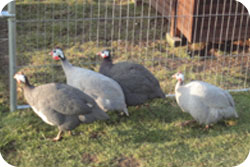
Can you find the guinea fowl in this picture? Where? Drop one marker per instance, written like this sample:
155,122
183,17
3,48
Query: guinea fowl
205,102
106,92
61,105
138,84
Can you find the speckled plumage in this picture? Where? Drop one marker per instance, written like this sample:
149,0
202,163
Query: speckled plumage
106,92
138,84
205,102
62,105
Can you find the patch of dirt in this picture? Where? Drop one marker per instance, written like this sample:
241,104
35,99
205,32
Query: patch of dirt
127,162
96,135
89,158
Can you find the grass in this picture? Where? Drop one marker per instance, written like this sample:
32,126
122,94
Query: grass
149,137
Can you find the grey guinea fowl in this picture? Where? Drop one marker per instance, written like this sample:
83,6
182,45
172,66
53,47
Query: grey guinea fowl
205,102
138,83
61,105
106,92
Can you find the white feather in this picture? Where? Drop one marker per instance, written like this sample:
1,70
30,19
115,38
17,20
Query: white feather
19,77
41,115
90,105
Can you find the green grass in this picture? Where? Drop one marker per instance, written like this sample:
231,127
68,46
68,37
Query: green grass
149,137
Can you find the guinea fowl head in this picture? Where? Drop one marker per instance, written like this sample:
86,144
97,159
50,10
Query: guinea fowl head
57,54
105,54
20,78
178,76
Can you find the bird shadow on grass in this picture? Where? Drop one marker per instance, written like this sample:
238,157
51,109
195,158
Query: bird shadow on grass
160,122
161,110
144,134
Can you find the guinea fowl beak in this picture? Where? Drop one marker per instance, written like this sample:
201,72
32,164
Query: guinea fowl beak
15,77
54,57
99,54
102,55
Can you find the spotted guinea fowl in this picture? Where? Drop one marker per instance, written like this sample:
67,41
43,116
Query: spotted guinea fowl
106,92
61,105
138,84
205,102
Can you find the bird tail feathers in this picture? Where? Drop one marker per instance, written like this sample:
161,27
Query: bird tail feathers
125,110
97,115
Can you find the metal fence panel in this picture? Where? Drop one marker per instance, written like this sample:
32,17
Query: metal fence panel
135,32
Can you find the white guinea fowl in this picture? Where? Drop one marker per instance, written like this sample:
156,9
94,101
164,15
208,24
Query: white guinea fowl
106,92
205,102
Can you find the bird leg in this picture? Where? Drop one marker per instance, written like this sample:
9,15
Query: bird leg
208,127
69,133
137,107
187,123
58,137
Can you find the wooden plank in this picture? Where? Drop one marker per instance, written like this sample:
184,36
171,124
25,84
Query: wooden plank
220,35
198,26
173,30
192,24
185,22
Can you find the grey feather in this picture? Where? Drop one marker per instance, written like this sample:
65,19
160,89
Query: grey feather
61,105
106,92
138,83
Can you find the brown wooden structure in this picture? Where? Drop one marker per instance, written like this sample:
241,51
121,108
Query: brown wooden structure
206,20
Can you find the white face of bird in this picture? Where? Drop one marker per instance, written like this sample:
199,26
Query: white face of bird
57,54
104,54
20,78
179,76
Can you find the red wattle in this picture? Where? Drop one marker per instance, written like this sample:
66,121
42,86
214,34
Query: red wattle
56,58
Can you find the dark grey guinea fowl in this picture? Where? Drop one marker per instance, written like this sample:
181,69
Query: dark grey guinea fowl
61,105
138,84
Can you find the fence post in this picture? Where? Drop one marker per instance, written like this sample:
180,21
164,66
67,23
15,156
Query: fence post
12,54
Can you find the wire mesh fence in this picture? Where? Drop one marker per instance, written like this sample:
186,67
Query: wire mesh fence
137,31
3,59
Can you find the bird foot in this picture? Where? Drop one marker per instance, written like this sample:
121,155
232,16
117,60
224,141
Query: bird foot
121,113
207,127
147,105
230,122
55,139
70,133
137,107
58,137
186,123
